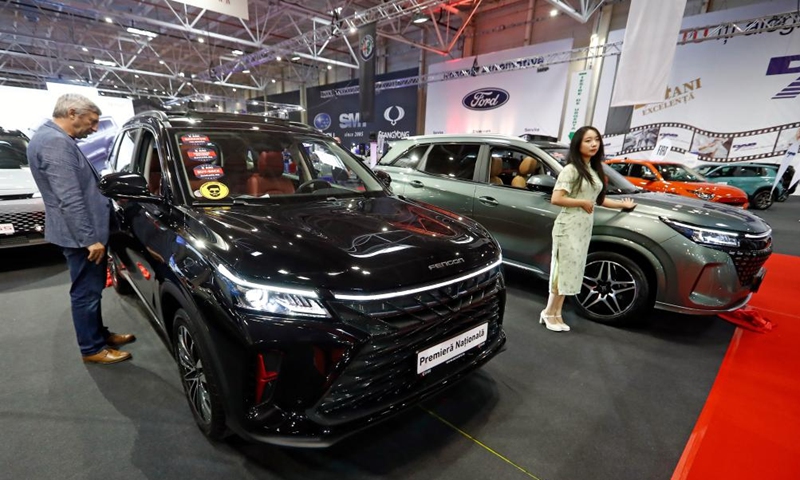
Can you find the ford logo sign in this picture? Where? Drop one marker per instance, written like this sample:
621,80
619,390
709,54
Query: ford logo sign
485,99
322,121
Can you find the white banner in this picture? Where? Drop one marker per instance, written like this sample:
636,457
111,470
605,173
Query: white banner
510,103
234,8
578,100
647,51
731,99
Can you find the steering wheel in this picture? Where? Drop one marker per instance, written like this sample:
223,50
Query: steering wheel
312,185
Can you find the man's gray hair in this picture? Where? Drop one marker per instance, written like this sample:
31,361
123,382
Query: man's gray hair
75,101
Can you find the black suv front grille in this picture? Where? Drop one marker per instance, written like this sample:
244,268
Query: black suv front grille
24,222
749,257
383,371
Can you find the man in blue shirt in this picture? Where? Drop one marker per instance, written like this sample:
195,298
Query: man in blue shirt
78,219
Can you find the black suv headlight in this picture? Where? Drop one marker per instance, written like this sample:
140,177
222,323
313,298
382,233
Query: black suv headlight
705,236
272,298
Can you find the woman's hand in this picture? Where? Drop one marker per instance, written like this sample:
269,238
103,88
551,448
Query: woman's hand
587,206
627,203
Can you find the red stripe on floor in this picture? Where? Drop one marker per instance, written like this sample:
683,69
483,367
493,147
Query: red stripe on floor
750,425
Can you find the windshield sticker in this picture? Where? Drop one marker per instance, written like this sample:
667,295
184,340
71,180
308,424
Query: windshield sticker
214,190
201,154
207,171
194,139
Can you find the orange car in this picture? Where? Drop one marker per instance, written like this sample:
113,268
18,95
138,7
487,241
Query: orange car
672,177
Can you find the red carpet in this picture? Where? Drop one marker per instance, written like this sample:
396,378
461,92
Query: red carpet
750,425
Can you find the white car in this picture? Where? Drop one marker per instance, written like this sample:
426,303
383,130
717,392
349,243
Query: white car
21,206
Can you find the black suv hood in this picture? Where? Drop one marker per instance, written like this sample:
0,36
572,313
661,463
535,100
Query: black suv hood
697,212
368,245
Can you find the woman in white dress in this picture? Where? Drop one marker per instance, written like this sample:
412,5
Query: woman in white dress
579,187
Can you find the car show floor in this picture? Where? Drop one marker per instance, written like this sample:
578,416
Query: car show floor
673,397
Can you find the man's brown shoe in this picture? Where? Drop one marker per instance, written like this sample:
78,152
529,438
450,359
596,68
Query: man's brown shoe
106,356
119,339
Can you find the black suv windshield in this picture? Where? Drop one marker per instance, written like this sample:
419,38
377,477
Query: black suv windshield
247,164
12,152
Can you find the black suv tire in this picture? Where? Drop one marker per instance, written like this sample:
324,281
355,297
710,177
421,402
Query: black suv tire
200,383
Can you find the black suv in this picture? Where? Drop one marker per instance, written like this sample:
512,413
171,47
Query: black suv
302,300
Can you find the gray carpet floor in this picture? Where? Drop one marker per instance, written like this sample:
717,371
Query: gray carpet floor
598,403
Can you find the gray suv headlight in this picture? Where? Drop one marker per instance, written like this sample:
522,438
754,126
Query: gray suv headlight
704,236
273,299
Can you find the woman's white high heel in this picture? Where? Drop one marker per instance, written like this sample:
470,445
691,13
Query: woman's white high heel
552,326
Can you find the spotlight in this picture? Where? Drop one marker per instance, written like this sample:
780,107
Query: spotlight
420,18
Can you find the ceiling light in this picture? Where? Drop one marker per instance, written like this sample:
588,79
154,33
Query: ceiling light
107,63
245,71
136,76
234,89
273,80
194,75
139,31
71,67
278,58
295,58
353,29
237,52
553,12
420,18
181,74
109,20
84,49
161,62
201,40
207,97
329,67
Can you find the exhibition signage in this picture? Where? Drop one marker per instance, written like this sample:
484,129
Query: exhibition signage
335,109
511,103
728,99
367,44
575,115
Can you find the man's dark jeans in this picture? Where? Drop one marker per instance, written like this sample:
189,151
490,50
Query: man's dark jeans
88,282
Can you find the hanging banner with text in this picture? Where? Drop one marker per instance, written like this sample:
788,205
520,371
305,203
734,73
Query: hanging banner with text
577,101
510,103
728,99
366,70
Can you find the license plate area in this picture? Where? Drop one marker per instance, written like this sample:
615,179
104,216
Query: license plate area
6,229
452,348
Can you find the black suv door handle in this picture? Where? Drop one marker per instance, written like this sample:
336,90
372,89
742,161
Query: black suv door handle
417,184
489,201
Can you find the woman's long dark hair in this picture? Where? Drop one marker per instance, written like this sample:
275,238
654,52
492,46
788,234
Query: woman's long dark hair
596,163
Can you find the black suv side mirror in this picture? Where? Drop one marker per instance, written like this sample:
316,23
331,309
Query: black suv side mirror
541,183
384,177
126,186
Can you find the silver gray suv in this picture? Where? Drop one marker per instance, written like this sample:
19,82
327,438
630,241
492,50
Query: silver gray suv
671,252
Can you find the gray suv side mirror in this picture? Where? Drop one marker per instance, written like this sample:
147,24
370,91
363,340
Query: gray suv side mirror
541,183
384,177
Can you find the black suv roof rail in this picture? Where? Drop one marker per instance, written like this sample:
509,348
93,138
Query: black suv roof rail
225,116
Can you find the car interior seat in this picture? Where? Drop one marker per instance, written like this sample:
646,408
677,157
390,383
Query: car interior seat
269,179
154,177
497,167
527,167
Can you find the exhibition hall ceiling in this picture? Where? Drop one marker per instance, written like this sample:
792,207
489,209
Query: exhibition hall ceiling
169,49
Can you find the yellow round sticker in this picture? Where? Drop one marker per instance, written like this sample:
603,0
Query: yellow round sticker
214,190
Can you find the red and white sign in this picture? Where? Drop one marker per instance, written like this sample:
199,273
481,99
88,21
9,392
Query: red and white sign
194,139
201,154
208,172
